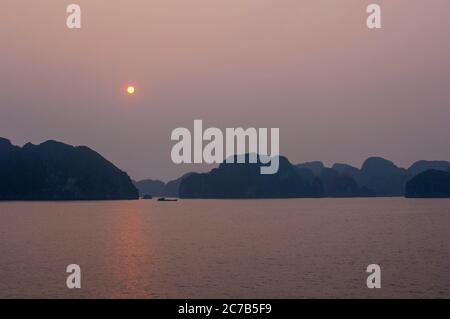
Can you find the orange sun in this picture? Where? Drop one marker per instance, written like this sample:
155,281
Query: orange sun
131,90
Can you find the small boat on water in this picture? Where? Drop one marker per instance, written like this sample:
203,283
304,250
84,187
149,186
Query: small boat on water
163,199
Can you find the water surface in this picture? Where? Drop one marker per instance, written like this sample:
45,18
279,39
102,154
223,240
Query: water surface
300,248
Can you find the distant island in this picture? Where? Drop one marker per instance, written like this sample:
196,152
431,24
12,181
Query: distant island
57,171
429,184
246,181
377,177
157,188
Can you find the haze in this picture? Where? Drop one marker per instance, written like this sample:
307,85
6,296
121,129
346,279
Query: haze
338,91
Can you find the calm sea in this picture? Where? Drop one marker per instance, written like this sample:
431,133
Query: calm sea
299,248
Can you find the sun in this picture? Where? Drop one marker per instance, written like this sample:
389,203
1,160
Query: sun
131,90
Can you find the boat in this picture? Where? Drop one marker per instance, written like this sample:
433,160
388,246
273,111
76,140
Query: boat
163,199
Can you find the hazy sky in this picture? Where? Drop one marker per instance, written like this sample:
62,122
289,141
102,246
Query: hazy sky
338,91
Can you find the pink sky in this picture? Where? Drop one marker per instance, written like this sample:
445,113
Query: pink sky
338,91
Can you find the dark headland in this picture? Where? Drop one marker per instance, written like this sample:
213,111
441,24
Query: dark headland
429,184
57,171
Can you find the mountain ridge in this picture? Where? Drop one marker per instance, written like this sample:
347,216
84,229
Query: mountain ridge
54,170
377,177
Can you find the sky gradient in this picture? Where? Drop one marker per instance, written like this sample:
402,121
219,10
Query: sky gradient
338,91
